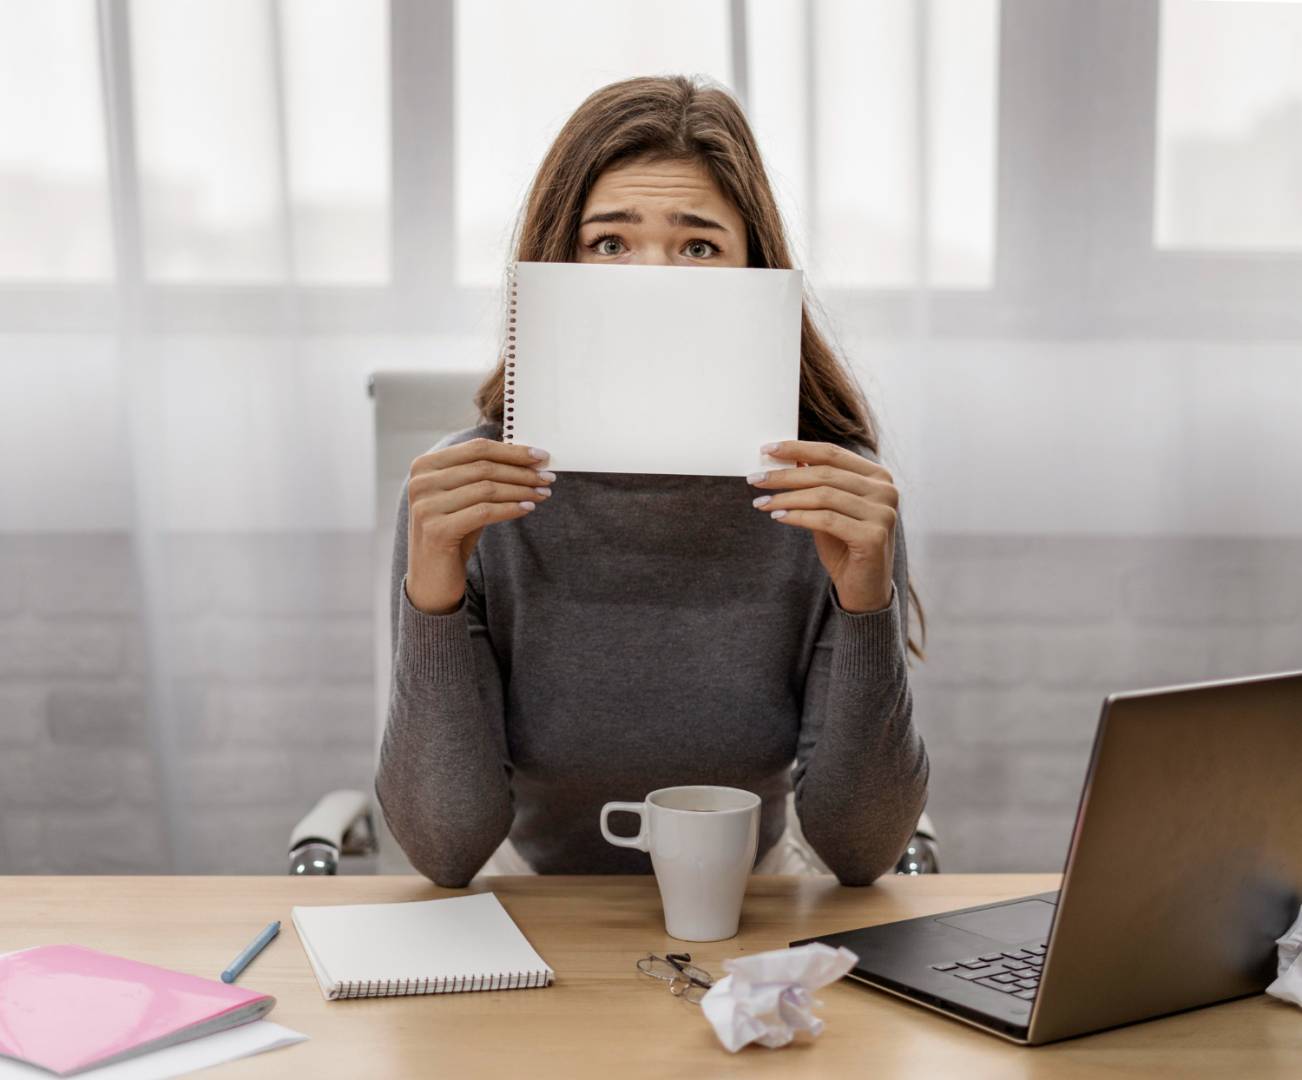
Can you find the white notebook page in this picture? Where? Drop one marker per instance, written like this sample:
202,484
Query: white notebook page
458,937
655,369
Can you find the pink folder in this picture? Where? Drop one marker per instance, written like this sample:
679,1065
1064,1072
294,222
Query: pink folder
66,1007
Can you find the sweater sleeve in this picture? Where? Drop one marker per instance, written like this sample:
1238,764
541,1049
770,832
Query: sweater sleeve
443,781
861,768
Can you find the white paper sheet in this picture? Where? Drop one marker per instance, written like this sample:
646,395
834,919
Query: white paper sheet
656,369
179,1060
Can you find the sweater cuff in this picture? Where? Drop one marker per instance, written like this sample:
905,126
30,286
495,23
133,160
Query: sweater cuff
868,642
433,647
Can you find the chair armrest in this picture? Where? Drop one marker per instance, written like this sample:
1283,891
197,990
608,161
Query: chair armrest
340,822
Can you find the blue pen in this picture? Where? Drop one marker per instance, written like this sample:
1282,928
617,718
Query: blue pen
256,946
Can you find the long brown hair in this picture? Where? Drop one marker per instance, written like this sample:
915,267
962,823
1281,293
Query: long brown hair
680,118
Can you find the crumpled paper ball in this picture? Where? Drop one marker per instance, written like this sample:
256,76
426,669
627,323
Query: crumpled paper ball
1288,985
766,998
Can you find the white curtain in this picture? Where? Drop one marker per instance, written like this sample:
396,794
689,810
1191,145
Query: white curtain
1060,243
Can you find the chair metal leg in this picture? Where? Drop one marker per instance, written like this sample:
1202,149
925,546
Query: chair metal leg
340,824
922,855
314,857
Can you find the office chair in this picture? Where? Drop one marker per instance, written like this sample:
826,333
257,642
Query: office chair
413,410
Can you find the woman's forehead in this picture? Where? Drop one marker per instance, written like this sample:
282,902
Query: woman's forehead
660,181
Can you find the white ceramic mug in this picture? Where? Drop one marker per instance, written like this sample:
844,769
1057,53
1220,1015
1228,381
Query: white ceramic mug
702,840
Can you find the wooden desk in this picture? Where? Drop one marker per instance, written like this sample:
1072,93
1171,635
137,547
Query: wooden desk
601,1018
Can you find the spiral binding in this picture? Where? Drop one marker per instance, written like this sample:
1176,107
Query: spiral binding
508,389
511,980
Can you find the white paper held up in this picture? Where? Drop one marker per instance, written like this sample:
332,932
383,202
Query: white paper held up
654,369
1288,984
767,998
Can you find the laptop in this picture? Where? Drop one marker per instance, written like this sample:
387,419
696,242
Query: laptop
1185,865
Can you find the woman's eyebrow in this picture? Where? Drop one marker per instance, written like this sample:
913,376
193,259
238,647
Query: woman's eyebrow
632,217
694,221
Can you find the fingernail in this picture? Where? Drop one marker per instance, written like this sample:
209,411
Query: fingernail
778,514
762,500
756,477
769,447
538,452
543,491
546,476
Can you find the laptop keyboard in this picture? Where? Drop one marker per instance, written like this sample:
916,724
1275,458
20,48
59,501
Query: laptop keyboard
1014,971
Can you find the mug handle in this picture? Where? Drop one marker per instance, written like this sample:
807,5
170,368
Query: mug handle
639,841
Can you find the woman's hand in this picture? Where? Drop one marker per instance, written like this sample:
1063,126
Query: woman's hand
451,495
850,505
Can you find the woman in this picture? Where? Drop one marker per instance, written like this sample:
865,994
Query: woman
627,632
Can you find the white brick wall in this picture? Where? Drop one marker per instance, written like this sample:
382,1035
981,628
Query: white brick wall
1028,635
269,637
269,640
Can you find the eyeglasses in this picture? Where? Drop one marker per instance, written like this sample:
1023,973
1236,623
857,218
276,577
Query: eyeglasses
685,979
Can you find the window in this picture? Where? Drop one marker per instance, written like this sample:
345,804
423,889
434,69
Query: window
55,222
337,128
1229,127
262,135
846,136
1154,188
879,124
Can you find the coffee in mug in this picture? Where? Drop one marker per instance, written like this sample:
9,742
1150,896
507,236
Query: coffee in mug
702,840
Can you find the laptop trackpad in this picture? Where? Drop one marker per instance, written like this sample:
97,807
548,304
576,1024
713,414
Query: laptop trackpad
1027,920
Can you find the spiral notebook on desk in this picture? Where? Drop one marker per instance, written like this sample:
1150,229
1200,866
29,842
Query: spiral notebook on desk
418,947
652,369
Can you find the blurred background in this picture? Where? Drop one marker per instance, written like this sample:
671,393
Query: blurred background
1059,240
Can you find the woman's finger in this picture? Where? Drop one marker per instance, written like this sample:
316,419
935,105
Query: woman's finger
827,498
484,491
476,472
823,453
872,487
476,449
846,529
447,530
854,532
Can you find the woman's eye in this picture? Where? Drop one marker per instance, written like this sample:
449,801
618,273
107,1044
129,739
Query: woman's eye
611,244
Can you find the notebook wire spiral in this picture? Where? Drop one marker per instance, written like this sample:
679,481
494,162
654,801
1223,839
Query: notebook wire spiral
511,980
508,386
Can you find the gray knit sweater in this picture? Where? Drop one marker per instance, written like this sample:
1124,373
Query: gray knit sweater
639,631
